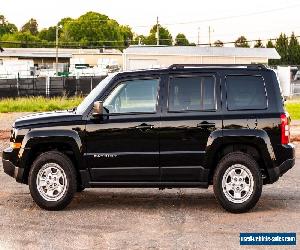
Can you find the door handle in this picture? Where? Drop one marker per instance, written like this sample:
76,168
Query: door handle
205,125
144,126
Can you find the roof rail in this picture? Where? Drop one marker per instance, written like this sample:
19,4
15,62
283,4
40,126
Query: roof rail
249,66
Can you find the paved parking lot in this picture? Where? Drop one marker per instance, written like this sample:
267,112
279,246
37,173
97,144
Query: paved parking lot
144,218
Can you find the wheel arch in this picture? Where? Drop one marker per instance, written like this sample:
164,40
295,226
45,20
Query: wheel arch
253,142
37,142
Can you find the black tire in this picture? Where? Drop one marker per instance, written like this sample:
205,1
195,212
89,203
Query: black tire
70,175
225,163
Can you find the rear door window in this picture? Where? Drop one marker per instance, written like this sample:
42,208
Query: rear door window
195,93
245,92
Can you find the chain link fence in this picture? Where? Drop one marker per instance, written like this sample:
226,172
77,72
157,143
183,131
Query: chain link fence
48,86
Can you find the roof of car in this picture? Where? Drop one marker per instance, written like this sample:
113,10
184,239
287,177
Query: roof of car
184,67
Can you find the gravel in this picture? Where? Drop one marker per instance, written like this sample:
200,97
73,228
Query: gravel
144,218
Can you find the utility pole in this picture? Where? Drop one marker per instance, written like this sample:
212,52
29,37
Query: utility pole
198,35
56,65
157,31
209,36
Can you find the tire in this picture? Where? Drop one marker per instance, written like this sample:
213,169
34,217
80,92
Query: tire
52,180
237,182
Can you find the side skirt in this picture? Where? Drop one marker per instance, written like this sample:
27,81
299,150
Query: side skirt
86,182
149,184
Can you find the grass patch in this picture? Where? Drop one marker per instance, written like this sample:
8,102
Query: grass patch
35,104
293,107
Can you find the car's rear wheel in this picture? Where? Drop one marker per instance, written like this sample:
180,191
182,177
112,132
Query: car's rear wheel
237,182
52,180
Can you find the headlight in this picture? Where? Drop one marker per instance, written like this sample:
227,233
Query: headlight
13,134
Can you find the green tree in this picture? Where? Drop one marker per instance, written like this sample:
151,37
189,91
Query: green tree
181,40
293,51
48,34
139,40
6,27
282,44
165,37
219,43
242,42
94,29
62,23
127,34
270,44
31,26
21,40
258,44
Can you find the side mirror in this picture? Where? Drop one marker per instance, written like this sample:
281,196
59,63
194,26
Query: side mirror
98,109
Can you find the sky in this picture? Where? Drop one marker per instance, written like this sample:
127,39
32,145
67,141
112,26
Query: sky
228,19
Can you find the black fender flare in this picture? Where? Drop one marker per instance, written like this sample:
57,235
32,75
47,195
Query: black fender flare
257,138
41,136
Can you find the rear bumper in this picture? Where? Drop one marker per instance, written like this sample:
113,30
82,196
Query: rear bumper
9,167
276,172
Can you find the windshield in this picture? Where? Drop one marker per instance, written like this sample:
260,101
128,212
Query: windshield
93,94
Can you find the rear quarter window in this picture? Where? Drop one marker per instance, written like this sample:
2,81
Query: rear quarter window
246,92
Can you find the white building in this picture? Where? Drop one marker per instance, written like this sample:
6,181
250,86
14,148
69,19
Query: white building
141,57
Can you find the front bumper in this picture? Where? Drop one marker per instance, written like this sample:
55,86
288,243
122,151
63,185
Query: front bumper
9,167
276,172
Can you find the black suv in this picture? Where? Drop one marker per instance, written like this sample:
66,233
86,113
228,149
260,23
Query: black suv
183,126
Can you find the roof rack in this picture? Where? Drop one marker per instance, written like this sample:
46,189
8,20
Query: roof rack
249,66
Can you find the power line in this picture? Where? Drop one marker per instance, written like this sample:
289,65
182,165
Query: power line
234,16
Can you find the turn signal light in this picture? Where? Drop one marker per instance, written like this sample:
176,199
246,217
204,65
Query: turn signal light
15,145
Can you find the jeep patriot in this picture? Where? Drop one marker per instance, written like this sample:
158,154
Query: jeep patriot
182,126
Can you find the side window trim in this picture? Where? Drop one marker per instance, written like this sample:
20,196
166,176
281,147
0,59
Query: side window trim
213,75
249,109
126,79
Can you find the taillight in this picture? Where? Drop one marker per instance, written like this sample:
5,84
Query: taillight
285,129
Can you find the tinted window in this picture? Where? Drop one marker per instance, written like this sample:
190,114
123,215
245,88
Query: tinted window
192,93
133,96
246,92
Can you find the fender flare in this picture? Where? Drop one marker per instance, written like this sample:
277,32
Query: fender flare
257,138
41,136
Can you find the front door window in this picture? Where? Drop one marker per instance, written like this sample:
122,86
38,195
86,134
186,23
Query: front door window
134,96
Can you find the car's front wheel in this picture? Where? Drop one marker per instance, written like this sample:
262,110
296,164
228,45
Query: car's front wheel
237,182
52,180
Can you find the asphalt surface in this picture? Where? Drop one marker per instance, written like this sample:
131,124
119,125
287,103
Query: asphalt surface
144,218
